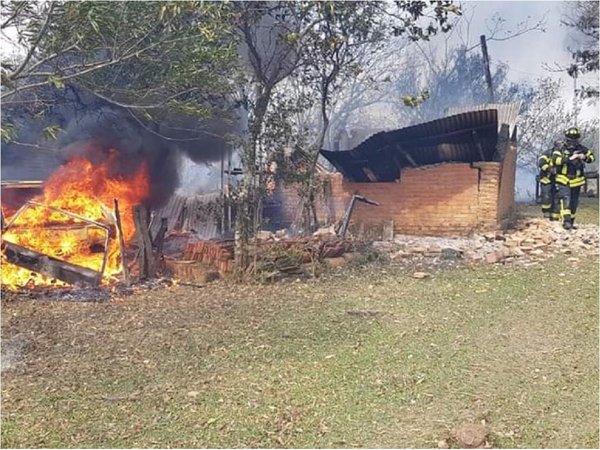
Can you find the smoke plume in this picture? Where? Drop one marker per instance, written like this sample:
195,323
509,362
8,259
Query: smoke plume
104,134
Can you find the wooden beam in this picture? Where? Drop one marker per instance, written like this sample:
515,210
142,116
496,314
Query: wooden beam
159,239
146,257
49,265
369,174
349,209
121,244
404,153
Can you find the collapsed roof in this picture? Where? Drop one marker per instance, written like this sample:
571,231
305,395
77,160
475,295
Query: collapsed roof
480,134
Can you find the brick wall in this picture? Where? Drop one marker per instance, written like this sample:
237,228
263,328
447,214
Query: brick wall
506,196
445,199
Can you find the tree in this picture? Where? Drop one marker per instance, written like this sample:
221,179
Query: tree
335,47
312,42
143,57
582,18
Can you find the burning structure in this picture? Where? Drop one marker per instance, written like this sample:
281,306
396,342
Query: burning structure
450,176
69,229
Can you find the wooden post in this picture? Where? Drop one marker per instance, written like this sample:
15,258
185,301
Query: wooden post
486,66
159,239
121,244
146,257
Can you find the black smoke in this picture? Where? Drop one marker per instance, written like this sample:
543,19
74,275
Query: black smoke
95,130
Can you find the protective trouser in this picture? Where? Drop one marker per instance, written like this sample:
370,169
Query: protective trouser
568,200
549,208
575,191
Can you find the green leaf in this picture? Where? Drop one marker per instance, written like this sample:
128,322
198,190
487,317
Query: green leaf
51,131
56,81
8,132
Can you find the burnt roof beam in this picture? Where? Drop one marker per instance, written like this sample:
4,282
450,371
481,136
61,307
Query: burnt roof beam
477,142
404,153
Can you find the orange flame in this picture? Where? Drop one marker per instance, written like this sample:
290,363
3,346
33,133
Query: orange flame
87,190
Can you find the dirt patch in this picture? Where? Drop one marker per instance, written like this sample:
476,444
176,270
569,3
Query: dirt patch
13,350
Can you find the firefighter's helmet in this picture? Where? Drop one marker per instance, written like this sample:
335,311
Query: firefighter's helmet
572,134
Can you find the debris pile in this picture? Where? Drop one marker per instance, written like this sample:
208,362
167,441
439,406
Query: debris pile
273,255
202,261
531,240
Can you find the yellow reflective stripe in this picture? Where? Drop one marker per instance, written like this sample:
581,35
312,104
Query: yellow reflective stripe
562,179
546,205
557,157
545,167
545,180
579,181
590,156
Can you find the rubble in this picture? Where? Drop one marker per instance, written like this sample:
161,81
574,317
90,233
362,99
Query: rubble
530,240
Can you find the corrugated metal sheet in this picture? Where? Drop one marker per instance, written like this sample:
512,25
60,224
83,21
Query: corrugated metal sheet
189,214
24,163
466,137
507,112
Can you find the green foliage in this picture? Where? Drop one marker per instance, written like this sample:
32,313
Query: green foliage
416,100
148,54
420,20
583,20
56,81
8,131
51,131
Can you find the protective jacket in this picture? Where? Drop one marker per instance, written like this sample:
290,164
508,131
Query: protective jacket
569,172
546,167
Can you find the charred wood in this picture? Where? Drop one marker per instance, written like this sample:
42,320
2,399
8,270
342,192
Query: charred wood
50,266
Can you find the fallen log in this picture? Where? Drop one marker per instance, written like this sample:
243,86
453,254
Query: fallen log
50,266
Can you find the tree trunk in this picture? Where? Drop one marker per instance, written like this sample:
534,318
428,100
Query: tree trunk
247,221
308,204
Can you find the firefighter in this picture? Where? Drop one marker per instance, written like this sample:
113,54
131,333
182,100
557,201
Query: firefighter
547,185
569,163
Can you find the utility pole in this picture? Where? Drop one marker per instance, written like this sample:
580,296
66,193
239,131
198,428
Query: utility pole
486,65
223,193
574,73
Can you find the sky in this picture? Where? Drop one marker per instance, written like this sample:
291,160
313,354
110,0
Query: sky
527,54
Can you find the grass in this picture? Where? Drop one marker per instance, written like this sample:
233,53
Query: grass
587,211
286,365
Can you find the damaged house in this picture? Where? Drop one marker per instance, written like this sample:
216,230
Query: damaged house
449,176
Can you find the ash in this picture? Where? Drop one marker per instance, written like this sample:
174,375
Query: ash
80,294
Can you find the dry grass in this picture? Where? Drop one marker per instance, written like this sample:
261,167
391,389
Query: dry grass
286,365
